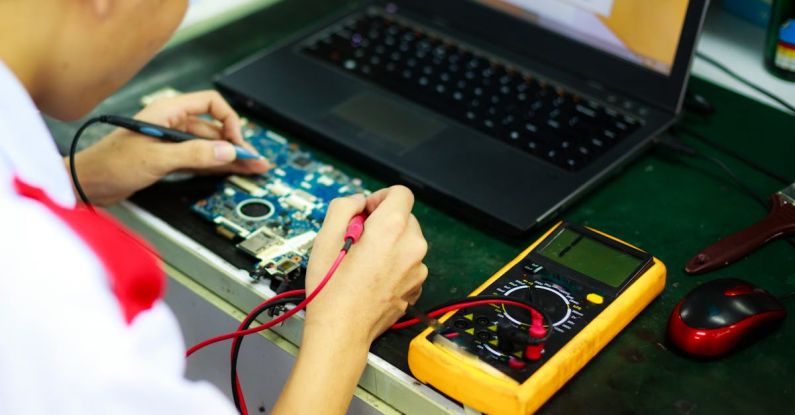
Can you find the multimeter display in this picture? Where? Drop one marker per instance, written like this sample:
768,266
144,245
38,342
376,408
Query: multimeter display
590,257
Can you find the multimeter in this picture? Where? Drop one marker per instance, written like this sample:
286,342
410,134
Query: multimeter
587,284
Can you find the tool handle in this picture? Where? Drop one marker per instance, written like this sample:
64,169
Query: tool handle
779,222
146,128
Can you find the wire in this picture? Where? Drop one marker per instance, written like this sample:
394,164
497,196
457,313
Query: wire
712,61
476,301
673,143
737,181
737,156
72,152
681,148
277,320
237,343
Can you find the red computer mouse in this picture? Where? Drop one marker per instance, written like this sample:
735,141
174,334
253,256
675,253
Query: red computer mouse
717,316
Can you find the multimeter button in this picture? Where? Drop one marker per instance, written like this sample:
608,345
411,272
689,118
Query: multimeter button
461,324
515,363
595,298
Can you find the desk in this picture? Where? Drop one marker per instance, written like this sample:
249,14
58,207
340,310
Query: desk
667,205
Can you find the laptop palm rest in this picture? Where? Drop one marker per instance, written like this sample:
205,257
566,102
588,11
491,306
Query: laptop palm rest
382,120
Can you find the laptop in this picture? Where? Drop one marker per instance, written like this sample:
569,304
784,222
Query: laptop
502,111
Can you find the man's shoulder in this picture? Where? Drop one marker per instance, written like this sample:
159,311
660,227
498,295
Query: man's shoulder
34,239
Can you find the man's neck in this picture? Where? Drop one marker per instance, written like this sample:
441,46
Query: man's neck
27,36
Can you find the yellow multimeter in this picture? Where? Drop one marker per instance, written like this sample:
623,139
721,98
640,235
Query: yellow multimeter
589,286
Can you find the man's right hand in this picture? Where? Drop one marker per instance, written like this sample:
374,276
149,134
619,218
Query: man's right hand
379,277
381,274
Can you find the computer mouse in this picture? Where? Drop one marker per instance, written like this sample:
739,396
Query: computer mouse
716,317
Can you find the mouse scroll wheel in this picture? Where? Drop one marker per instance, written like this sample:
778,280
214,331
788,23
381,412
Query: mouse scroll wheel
743,289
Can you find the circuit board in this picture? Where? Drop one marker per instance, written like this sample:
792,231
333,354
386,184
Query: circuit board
274,217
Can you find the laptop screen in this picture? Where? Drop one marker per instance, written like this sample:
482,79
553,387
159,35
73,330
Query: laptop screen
644,32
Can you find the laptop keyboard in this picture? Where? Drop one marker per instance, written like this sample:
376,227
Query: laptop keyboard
512,106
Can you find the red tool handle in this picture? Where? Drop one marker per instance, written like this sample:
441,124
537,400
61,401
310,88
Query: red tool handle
779,222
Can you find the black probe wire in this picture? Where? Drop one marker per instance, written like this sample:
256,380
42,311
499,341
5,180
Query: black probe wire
714,62
72,152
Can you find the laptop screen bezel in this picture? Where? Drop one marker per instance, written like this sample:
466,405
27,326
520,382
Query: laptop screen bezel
595,65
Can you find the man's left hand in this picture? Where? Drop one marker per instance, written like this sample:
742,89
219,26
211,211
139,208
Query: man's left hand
124,162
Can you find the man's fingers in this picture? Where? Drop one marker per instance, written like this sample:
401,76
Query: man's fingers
395,201
212,103
204,128
194,155
339,214
244,167
419,276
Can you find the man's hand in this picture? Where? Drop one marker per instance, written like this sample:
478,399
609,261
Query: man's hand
381,274
371,289
125,162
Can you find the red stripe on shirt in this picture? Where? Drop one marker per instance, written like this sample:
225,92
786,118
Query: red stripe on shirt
136,278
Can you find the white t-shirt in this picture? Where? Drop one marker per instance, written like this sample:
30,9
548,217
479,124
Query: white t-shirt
68,342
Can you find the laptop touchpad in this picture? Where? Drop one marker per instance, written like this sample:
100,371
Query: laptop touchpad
404,127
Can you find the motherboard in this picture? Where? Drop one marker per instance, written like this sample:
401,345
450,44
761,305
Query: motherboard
274,217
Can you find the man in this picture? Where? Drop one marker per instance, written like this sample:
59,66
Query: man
84,329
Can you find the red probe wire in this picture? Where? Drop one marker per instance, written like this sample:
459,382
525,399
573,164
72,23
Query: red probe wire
279,319
444,310
352,235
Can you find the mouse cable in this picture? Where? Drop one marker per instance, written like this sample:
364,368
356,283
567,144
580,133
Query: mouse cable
714,62
787,296
673,142
733,154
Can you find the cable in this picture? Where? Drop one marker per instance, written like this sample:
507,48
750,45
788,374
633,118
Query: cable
473,301
786,296
737,156
72,152
757,88
681,148
672,143
277,320
237,343
739,183
352,234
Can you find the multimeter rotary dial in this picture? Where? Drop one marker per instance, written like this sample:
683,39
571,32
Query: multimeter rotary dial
554,302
